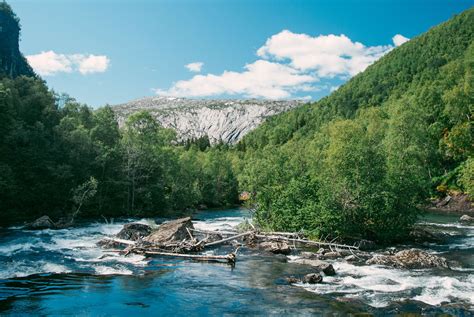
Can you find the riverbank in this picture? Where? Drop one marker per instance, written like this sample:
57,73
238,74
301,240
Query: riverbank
455,203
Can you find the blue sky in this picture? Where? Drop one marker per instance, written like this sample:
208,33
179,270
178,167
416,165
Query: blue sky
106,51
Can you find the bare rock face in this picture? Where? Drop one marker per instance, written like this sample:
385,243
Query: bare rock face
43,222
410,259
171,231
220,120
276,247
134,231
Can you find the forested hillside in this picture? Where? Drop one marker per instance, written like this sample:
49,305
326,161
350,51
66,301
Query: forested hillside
359,162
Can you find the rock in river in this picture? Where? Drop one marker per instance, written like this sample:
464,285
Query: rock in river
276,247
467,219
175,230
410,259
312,278
322,266
134,231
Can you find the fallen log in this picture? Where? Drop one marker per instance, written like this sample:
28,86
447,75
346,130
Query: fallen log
288,234
119,241
309,242
229,258
229,239
214,232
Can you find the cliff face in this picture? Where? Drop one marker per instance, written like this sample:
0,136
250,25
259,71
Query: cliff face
221,120
12,62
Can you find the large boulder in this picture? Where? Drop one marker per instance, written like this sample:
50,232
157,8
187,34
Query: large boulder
43,222
171,231
276,247
322,266
410,259
134,231
466,219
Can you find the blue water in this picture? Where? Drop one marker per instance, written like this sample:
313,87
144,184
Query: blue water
60,273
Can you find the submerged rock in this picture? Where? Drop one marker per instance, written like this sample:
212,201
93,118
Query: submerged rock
410,259
313,278
171,231
276,247
467,219
43,222
292,279
134,231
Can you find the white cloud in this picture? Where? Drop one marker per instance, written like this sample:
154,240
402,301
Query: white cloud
92,63
289,64
399,39
329,55
51,63
194,67
259,79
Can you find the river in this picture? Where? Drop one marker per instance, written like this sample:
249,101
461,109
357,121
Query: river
62,272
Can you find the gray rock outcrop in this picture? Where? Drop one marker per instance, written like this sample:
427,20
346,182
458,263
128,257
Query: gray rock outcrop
223,120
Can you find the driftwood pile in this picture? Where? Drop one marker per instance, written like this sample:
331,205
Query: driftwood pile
179,238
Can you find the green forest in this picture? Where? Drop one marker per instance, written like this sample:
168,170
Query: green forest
359,163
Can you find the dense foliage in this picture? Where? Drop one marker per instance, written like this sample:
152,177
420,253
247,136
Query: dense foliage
360,161
50,153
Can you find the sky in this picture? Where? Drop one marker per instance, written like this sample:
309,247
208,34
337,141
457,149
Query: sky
113,51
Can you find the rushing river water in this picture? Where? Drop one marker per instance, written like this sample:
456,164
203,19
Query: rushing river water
62,272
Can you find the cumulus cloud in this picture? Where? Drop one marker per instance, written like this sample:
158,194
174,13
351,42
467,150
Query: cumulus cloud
259,79
194,67
328,55
51,63
399,39
289,63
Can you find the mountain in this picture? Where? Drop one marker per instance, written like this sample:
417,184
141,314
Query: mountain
223,120
12,62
